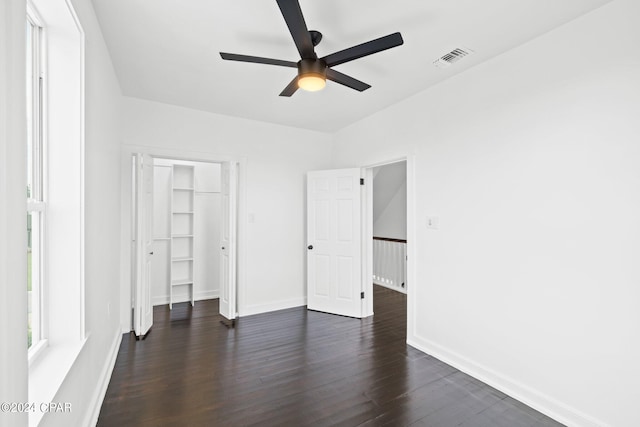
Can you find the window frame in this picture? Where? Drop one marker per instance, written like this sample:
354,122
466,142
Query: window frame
36,176
63,96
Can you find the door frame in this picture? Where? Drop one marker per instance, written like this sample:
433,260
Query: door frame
126,261
367,237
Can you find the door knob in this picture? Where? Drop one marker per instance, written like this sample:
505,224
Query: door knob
310,247
150,253
223,248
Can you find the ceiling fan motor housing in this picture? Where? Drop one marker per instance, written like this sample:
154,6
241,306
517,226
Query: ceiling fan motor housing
312,67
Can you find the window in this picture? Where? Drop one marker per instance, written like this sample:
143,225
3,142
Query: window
35,192
55,195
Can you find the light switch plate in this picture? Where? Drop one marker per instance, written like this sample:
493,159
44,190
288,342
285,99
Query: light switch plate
433,222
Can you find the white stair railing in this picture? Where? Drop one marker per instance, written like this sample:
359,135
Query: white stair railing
390,263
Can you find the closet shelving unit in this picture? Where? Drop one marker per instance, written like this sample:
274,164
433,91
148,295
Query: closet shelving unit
182,223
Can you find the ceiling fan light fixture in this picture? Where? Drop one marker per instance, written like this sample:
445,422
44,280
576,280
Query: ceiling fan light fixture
312,82
312,74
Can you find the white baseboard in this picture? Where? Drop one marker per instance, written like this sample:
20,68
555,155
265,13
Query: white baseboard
250,310
199,296
103,382
533,398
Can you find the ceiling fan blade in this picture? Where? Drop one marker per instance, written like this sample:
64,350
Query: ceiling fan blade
257,60
364,49
291,88
297,27
347,81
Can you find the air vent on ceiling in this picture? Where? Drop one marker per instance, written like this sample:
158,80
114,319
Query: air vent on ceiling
452,57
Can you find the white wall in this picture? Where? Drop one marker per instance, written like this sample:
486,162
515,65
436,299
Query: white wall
392,221
531,162
102,143
161,232
390,201
84,383
207,229
275,160
207,217
13,181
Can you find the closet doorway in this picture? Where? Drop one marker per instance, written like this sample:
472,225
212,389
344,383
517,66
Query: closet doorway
187,220
184,235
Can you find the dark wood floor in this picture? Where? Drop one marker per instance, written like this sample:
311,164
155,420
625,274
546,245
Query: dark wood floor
295,368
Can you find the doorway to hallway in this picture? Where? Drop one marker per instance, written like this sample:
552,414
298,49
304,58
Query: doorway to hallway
388,215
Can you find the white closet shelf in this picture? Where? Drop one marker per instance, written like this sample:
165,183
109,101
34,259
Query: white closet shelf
182,209
181,282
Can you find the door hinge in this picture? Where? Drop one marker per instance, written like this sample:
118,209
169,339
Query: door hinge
361,181
361,295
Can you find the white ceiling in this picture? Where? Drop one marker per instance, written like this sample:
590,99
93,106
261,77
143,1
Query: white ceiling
168,50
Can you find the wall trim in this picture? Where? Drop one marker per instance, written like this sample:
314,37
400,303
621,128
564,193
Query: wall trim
250,310
199,296
389,239
537,400
91,419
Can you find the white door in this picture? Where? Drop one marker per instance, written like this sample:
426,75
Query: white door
144,244
229,182
334,271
